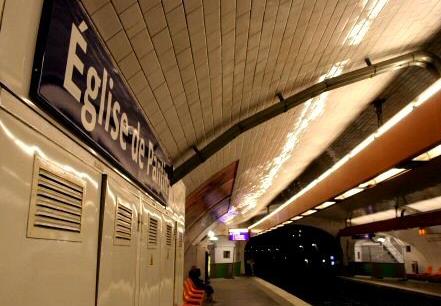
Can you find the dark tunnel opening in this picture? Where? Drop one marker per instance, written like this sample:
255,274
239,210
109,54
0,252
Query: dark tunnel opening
308,262
293,253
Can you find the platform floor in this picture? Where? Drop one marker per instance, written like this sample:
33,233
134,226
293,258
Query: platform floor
423,287
240,291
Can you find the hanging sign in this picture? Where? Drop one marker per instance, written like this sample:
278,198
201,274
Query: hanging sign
75,79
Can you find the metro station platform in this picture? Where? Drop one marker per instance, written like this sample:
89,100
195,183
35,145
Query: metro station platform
251,291
414,286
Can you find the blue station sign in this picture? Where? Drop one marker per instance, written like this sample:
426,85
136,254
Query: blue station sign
75,80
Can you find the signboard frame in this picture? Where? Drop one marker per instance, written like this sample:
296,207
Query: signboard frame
238,234
62,106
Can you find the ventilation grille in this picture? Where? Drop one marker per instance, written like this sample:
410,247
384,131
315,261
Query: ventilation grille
152,236
56,203
123,224
169,233
59,203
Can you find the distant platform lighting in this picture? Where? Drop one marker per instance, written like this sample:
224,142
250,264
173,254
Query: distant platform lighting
296,218
349,193
431,154
398,117
325,204
383,177
309,212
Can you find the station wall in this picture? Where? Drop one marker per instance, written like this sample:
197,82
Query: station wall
426,249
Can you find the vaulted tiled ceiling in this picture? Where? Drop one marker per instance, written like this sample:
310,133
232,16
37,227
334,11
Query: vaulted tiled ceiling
198,66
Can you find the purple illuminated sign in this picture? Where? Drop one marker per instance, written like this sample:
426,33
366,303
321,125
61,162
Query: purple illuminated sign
239,234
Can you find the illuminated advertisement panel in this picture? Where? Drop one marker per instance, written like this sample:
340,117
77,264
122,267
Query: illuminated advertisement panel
239,234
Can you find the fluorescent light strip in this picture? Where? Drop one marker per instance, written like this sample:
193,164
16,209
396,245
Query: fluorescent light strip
388,174
309,212
349,193
382,177
403,113
325,205
378,216
428,93
431,154
296,218
421,99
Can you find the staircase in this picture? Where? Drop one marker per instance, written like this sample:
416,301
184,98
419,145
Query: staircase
379,254
394,248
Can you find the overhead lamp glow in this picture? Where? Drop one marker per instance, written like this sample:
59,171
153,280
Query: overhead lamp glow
428,93
378,216
432,153
368,184
349,193
296,218
427,205
395,119
213,238
309,212
382,177
388,174
424,96
361,146
325,204
422,157
210,234
287,222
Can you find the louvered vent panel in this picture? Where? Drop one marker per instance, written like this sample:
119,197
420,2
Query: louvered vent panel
152,236
56,203
123,223
169,234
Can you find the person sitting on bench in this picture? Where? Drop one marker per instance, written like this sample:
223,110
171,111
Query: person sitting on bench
194,274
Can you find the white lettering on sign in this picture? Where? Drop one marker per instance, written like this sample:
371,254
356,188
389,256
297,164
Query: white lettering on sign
100,86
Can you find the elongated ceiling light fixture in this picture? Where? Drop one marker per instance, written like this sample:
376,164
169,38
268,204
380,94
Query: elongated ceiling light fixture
431,154
349,193
403,113
382,177
309,212
325,205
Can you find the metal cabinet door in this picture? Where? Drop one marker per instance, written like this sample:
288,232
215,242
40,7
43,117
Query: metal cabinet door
150,255
179,265
167,262
47,269
118,264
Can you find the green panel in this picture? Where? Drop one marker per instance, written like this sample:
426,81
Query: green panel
237,268
379,270
393,270
225,270
219,270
